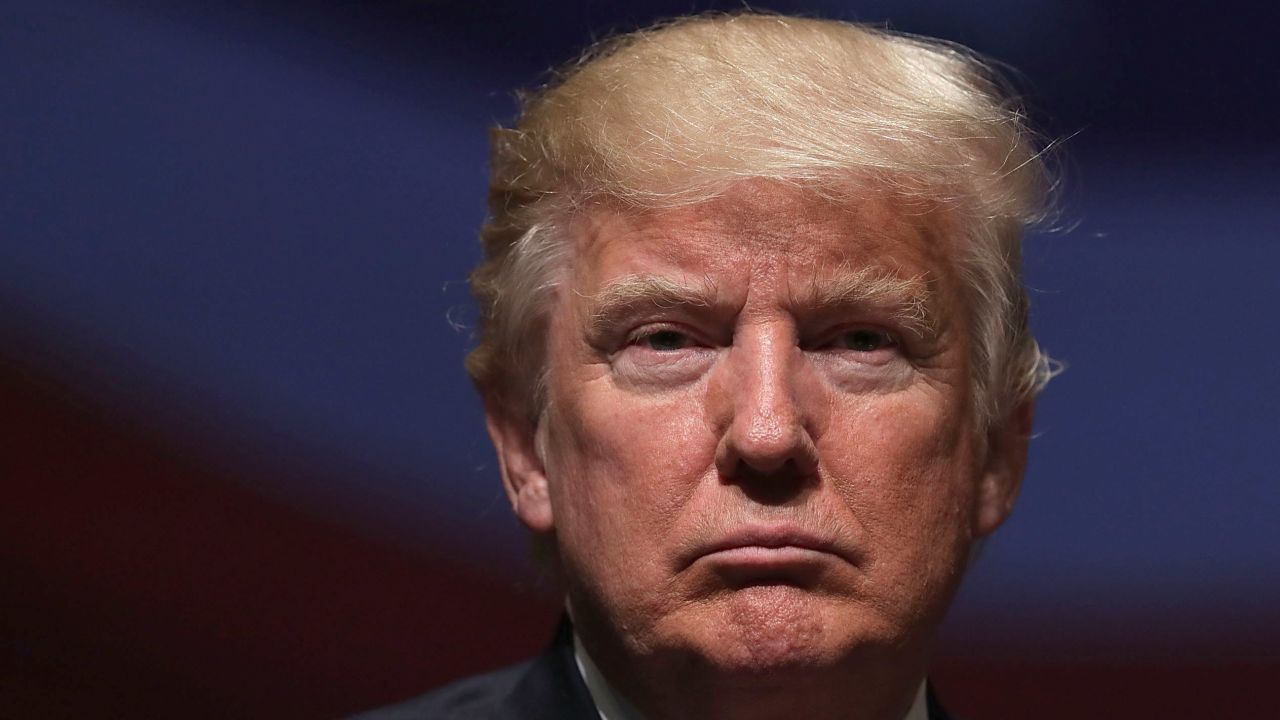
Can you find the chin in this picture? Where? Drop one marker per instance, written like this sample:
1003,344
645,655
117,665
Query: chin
775,628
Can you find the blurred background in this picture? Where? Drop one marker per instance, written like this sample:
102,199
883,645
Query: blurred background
244,474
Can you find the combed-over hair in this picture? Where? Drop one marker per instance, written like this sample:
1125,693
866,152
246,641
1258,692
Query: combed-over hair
675,114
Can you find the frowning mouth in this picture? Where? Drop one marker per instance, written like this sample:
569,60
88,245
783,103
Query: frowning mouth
761,555
769,549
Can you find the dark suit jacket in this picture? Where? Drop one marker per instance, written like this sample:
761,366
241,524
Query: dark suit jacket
548,688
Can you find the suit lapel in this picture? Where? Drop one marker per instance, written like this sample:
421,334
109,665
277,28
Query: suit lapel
936,711
552,688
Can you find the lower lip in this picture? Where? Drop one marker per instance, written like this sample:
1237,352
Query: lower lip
753,565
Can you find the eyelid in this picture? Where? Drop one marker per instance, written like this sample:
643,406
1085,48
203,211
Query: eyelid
830,337
639,334
649,329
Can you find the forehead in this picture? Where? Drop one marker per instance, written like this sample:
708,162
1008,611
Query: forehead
761,229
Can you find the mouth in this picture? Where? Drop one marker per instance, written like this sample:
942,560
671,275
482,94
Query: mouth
769,553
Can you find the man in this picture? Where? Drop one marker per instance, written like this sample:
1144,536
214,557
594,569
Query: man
756,364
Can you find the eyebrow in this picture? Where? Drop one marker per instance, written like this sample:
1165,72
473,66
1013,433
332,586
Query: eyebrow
908,299
626,295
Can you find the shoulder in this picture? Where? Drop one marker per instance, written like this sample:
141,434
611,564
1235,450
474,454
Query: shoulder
480,696
547,688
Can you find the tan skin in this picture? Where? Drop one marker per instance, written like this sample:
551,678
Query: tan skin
763,500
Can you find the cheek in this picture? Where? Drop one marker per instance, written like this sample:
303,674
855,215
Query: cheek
621,467
908,480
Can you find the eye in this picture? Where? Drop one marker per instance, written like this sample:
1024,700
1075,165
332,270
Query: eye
864,340
661,356
663,340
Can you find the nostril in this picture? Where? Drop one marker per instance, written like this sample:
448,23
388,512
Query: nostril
771,463
776,486
782,471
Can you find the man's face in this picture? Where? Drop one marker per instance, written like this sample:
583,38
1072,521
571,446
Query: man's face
759,448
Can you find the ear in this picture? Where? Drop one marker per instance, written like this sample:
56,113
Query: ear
523,474
1002,470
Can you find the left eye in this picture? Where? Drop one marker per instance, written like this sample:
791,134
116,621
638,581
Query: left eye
864,340
664,340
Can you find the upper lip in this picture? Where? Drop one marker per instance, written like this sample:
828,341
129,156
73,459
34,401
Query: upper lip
770,536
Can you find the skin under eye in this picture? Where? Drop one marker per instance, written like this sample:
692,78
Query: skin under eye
660,357
864,359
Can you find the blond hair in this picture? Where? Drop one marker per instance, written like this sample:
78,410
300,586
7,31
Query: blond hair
675,114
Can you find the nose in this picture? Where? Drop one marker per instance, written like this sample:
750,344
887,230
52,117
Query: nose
766,437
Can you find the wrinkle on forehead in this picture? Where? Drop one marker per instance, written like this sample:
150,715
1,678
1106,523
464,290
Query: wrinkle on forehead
769,212
864,247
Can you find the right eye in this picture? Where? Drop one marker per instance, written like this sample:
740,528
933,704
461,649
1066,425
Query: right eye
662,356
